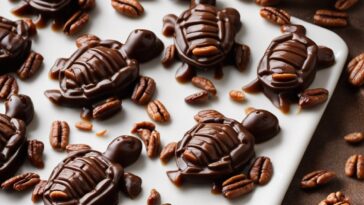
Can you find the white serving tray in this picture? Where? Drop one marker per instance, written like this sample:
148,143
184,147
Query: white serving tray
285,150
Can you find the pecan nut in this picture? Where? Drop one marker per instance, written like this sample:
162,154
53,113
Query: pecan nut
261,170
106,109
30,66
38,191
316,179
336,198
237,95
354,167
8,86
313,97
204,84
329,18
35,153
77,147
356,70
276,16
284,77
203,114
154,198
242,56
168,152
59,135
84,126
131,8
132,185
197,98
157,111
144,91
21,182
150,137
345,4
87,40
267,2
76,22
354,138
236,186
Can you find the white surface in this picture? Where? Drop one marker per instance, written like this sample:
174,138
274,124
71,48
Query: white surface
285,150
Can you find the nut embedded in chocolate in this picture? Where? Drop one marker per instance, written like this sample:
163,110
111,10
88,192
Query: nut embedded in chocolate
354,167
35,153
237,186
59,135
237,95
330,18
131,8
317,178
84,126
261,171
106,108
21,182
168,152
276,16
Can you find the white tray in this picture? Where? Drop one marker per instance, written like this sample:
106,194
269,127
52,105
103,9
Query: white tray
285,150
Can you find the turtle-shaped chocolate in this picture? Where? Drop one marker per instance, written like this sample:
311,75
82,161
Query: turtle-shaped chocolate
15,48
289,66
218,147
89,177
204,39
102,69
69,15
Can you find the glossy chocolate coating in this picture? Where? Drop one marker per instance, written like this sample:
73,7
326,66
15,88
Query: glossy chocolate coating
20,107
262,124
13,144
90,177
293,54
213,149
15,44
102,69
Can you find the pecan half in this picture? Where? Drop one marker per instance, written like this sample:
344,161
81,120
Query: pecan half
197,98
237,95
345,4
157,111
21,182
76,22
330,18
276,16
204,84
150,137
144,91
30,66
313,97
236,186
242,56
84,126
354,138
168,152
356,70
336,198
38,191
317,178
106,108
267,2
354,167
154,198
77,147
131,8
132,185
261,170
8,86
169,56
35,153
59,135
203,114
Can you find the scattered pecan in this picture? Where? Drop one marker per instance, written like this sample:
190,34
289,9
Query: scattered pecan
8,86
101,133
237,95
203,114
132,185
35,153
336,198
84,126
168,152
106,108
87,40
236,186
317,178
267,2
169,56
313,97
204,84
154,198
345,4
354,167
75,23
354,138
30,66
131,8
59,135
356,70
144,125
261,170
293,28
197,98
77,147
330,18
144,91
21,182
150,137
157,111
38,191
276,16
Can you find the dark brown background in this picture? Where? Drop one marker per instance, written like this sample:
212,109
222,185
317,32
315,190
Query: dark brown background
344,114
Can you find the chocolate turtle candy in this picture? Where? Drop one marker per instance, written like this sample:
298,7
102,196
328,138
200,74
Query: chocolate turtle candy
89,177
204,38
13,144
288,67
